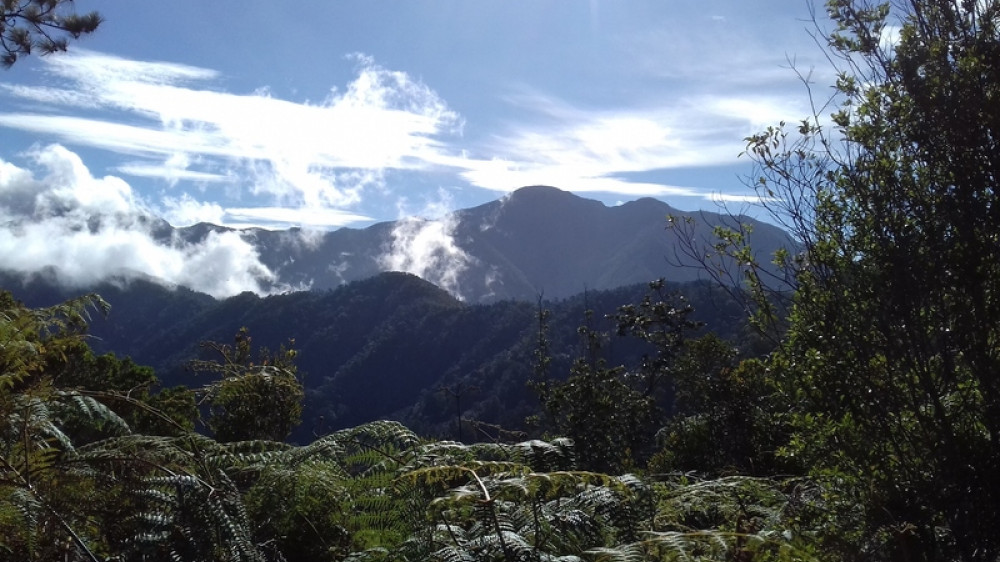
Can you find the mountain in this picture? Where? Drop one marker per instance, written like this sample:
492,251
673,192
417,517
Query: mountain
391,346
457,341
537,240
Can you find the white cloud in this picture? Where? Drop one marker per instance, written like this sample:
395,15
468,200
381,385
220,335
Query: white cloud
124,139
87,229
52,96
175,168
428,249
319,160
508,176
186,211
590,151
68,187
285,217
890,37
735,198
171,174
175,125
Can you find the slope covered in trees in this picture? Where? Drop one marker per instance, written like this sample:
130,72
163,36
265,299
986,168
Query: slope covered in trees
81,481
391,346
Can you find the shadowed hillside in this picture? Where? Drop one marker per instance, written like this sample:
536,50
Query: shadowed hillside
392,346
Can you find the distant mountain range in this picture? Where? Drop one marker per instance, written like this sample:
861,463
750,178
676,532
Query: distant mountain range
537,240
457,341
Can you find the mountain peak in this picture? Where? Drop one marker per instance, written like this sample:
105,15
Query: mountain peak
541,193
530,190
537,239
544,197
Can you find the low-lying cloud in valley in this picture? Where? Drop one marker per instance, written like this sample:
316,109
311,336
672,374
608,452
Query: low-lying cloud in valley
59,218
428,248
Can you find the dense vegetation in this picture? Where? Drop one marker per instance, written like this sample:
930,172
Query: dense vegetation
869,430
80,484
389,347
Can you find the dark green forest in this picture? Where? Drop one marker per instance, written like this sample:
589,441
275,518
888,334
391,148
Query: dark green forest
389,347
858,418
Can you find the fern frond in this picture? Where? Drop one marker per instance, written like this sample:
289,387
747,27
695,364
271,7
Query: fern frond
90,411
70,316
673,546
545,456
453,554
29,510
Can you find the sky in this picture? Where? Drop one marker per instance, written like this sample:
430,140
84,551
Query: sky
323,114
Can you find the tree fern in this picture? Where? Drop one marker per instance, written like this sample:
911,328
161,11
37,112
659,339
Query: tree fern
491,504
722,519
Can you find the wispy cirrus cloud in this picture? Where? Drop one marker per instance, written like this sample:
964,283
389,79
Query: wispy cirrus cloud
590,150
708,81
313,163
313,156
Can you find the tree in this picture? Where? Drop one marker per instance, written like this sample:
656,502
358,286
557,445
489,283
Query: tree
125,387
40,25
722,420
254,398
76,483
611,412
890,364
35,492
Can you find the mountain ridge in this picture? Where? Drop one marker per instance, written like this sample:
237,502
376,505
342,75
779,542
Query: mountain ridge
537,240
387,347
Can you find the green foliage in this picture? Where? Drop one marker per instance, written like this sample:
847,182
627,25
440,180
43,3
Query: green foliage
254,398
612,413
888,371
662,321
489,503
337,494
75,482
725,420
380,347
40,25
125,387
78,483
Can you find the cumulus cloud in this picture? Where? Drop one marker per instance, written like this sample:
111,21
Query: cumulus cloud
87,229
185,210
428,249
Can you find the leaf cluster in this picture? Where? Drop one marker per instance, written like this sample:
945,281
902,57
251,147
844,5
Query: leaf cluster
42,26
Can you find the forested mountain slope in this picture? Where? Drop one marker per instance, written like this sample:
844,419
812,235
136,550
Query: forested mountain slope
393,346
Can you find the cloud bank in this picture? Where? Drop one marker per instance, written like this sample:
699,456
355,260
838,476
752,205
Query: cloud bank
85,229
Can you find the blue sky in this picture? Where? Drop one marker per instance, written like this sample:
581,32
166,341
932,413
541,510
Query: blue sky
324,114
